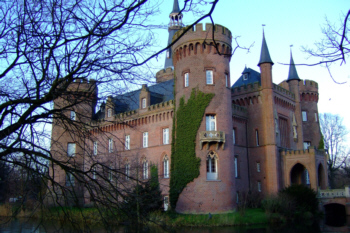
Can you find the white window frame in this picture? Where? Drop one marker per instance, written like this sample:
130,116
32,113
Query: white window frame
245,77
236,167
210,122
209,77
95,148
145,140
258,167
257,137
144,103
71,149
72,115
212,170
127,142
127,171
166,136
304,115
166,167
109,112
145,170
186,79
70,180
110,145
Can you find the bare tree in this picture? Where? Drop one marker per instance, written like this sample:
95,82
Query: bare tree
334,136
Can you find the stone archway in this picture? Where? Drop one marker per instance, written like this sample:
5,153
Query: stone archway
321,177
299,175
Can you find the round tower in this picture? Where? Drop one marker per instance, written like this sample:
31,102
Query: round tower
202,65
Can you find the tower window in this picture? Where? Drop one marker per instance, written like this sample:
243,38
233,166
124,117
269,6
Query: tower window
209,77
258,167
257,137
127,142
72,115
145,170
227,80
110,145
304,115
71,150
234,136
143,102
166,136
236,166
145,139
259,186
186,79
95,147
316,117
127,171
166,167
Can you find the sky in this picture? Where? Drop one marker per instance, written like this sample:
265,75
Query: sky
296,23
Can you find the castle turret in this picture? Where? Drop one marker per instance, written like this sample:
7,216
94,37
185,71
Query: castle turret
293,82
199,66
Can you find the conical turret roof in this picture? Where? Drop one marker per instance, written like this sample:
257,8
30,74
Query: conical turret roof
293,74
264,55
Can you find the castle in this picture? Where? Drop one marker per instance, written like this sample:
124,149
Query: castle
253,135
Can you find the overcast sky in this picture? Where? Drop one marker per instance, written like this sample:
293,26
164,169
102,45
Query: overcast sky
296,23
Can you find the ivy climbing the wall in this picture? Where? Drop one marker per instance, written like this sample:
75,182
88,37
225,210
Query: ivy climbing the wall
184,162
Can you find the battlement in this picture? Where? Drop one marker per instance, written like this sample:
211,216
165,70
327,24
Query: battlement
250,87
310,151
164,75
283,91
202,31
308,85
168,70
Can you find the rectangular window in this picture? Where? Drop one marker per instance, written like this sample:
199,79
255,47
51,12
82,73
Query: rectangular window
127,171
257,137
95,147
166,167
226,79
316,117
210,122
71,150
110,145
234,136
186,81
143,102
166,203
145,170
259,186
109,112
258,167
127,142
145,139
236,167
94,173
304,115
307,177
307,145
70,181
211,169
110,174
72,115
166,136
209,77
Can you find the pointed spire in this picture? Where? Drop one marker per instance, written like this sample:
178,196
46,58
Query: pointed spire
176,8
293,74
264,55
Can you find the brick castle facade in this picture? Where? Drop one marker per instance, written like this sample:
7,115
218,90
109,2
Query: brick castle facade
255,135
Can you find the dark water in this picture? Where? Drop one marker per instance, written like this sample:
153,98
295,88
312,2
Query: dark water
27,226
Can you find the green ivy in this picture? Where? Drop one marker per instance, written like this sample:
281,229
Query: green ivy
184,162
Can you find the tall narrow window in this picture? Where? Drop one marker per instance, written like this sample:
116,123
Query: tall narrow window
127,171
316,117
212,166
257,137
145,139
259,186
307,177
166,203
258,167
145,170
166,136
210,122
127,142
236,167
72,115
95,147
166,167
209,77
304,115
110,145
143,102
94,173
234,136
71,149
186,79
70,181
226,80
110,174
109,112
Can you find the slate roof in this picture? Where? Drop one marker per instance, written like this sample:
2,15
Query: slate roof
293,74
160,92
264,55
176,8
253,76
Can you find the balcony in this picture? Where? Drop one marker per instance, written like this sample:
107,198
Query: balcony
208,137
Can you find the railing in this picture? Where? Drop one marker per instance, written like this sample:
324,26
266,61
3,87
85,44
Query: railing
212,136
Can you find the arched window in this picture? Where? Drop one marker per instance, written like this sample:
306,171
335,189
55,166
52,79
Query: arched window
212,171
144,169
127,170
166,166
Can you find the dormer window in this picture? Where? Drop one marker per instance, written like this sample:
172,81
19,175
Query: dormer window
245,77
143,102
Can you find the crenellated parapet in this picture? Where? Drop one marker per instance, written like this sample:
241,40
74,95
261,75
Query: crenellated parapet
164,75
282,91
83,85
245,89
308,90
200,40
310,152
